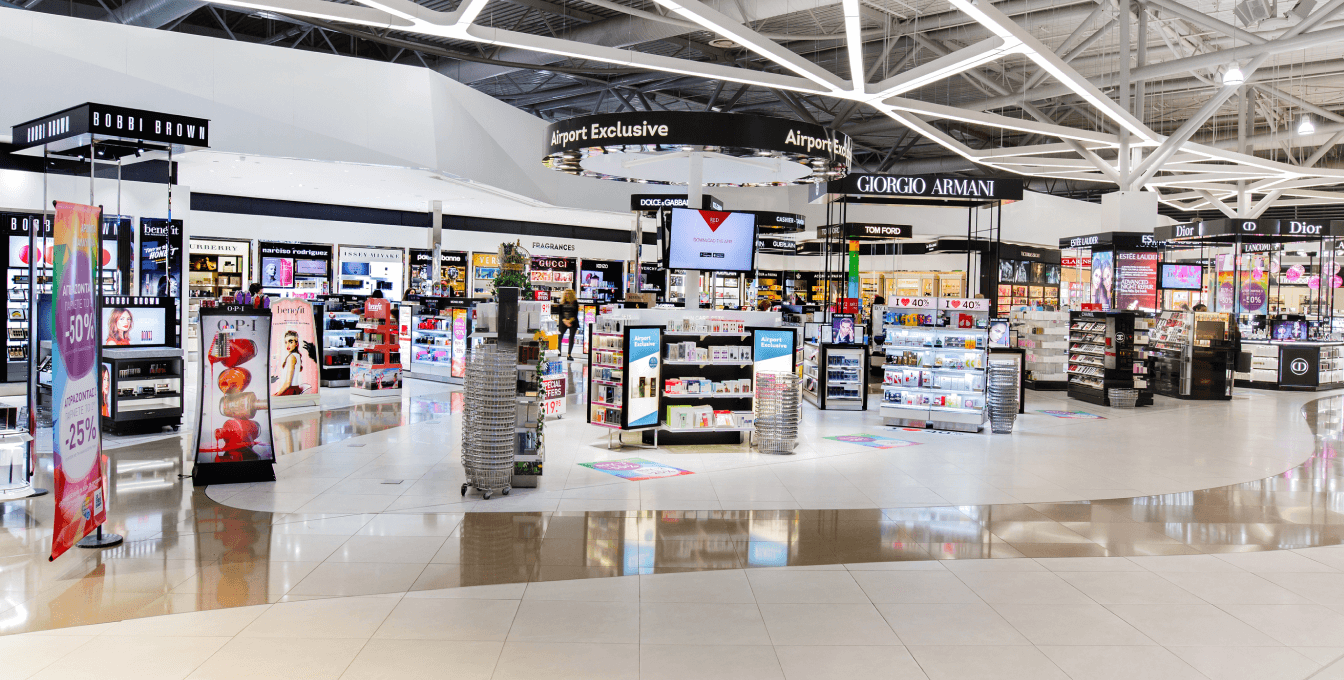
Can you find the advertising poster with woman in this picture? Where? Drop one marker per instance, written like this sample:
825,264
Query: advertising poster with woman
77,447
1103,278
295,368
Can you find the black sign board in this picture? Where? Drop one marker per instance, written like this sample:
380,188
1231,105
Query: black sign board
653,278
778,222
1009,251
779,246
930,186
865,232
559,264
1112,240
421,257
1299,366
454,258
1257,229
655,202
734,133
308,251
112,121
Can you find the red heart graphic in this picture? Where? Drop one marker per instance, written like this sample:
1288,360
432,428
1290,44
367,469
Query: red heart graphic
905,302
956,303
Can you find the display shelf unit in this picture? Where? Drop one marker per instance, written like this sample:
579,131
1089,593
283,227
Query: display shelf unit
936,358
1044,337
1192,356
835,376
542,382
338,347
439,345
707,387
143,389
1102,356
376,369
1293,365
624,375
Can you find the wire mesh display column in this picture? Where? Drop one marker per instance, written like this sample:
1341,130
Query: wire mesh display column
489,420
778,409
1003,393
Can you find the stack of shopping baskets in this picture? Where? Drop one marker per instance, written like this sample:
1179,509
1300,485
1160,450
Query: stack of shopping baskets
488,420
1003,396
778,409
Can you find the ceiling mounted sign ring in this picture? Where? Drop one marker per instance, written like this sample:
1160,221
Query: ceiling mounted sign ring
653,147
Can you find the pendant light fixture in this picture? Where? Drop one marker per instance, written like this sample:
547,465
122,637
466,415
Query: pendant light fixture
1306,127
1232,76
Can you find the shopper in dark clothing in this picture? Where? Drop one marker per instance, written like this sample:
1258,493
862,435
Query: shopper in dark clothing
568,309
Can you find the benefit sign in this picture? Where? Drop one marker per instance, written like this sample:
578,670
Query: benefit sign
77,449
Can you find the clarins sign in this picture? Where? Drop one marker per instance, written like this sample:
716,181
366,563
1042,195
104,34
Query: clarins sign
930,186
113,121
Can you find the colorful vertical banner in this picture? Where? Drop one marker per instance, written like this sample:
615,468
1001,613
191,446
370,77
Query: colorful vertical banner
459,365
295,367
853,268
77,447
1254,295
161,257
642,373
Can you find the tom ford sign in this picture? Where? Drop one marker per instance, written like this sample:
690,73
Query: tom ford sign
930,186
865,232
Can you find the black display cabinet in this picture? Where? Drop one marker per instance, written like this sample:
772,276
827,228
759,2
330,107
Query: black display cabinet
1102,356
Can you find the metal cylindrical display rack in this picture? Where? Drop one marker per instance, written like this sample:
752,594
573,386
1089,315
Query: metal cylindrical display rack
1002,397
489,420
778,410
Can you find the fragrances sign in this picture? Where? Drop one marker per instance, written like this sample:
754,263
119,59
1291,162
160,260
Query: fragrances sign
77,446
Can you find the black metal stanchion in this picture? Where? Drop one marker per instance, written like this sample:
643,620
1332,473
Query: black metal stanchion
100,540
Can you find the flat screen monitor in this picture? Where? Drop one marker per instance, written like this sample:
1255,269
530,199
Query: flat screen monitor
1289,330
135,326
711,240
1182,277
354,268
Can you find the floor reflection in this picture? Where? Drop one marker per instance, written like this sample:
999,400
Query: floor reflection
184,552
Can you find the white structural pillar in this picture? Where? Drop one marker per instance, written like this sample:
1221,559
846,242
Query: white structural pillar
436,241
695,192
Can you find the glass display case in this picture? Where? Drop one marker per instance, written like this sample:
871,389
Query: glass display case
439,345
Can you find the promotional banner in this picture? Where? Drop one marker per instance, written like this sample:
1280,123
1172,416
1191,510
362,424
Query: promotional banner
1135,281
1103,275
1254,296
642,373
772,351
295,367
233,435
459,366
77,443
160,257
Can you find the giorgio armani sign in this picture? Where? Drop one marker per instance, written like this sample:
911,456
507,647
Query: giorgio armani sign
930,186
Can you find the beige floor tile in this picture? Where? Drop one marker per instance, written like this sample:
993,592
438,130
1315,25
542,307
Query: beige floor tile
1240,588
615,589
278,659
1023,588
1290,624
986,663
25,655
1179,563
728,586
1070,624
424,660
708,662
950,624
1247,663
503,591
303,547
1190,625
932,587
1129,587
568,661
805,587
429,524
993,566
847,663
442,619
1321,655
826,624
350,617
337,525
212,623
591,622
676,623
1318,588
358,578
909,565
1088,564
1120,663
404,549
144,658
1275,561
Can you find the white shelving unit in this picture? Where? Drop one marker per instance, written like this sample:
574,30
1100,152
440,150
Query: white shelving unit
937,352
1044,336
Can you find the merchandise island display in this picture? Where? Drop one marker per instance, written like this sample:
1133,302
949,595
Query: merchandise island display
376,369
1194,354
1293,365
835,360
338,333
1044,336
141,377
439,343
1104,356
937,350
18,287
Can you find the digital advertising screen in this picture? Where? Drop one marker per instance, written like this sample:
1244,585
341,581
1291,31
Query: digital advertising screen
772,351
277,272
135,326
1182,276
642,367
310,267
1135,280
1289,330
708,239
1103,276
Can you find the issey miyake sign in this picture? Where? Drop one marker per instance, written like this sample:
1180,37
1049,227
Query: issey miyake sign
113,121
930,186
690,128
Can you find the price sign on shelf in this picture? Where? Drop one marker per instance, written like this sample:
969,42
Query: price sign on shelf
553,407
554,388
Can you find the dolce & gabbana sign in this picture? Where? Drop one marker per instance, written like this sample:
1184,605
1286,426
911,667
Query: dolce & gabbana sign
112,121
930,186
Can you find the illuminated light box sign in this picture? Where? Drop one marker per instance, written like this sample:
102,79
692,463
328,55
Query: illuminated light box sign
778,246
655,202
112,121
865,232
233,436
137,321
929,186
707,239
772,350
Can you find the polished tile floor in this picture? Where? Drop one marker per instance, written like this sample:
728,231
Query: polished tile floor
1220,583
